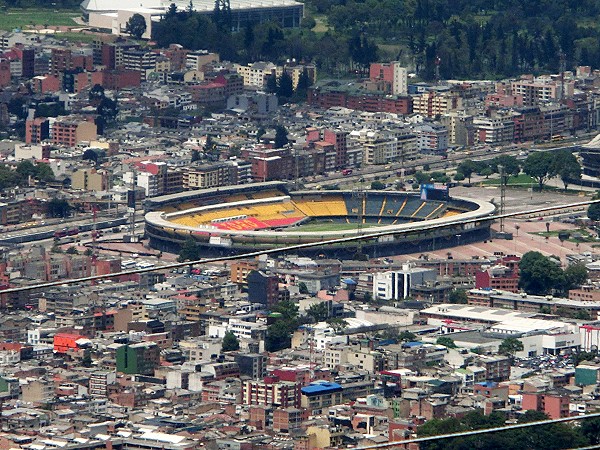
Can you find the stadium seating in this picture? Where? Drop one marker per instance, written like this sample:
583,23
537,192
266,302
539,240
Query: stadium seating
330,206
411,206
263,212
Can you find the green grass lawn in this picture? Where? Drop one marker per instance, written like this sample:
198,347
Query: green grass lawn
76,37
26,18
520,180
328,226
322,26
577,235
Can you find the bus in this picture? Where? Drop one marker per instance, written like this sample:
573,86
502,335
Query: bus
73,231
557,137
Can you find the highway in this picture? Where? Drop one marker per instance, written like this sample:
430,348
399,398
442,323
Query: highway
434,162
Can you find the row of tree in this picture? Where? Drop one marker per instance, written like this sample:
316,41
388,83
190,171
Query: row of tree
333,52
24,171
548,437
540,275
283,86
541,166
461,40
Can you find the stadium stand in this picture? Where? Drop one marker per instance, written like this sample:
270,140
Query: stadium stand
410,207
333,206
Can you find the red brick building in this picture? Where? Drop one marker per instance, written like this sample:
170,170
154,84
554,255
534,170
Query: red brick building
498,277
331,96
36,130
554,405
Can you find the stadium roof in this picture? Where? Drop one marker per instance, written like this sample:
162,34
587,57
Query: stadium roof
163,5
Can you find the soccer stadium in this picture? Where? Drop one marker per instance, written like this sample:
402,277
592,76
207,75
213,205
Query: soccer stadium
240,219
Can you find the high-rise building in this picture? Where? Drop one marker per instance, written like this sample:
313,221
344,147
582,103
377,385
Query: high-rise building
141,358
392,74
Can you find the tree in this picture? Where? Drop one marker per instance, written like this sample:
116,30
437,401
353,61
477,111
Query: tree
96,94
43,172
91,155
593,212
286,322
337,324
590,428
249,38
58,208
459,176
554,436
26,169
271,84
540,166
510,346
486,172
171,12
377,186
278,336
281,139
407,336
195,156
318,311
107,109
189,251
566,167
575,276
458,296
302,287
230,342
304,82
87,360
136,26
510,163
446,342
288,310
72,251
467,168
539,275
285,86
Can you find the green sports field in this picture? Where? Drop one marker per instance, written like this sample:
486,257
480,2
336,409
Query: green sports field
330,226
27,18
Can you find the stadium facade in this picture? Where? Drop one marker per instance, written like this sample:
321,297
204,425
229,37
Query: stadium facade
287,13
246,218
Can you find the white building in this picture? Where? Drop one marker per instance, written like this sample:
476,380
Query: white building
396,284
9,357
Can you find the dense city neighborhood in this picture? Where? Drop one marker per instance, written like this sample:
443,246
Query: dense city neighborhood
202,253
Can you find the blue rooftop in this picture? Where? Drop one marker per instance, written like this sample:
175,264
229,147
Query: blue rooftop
349,281
320,388
413,344
488,384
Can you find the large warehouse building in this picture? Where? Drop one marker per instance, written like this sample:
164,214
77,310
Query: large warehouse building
110,13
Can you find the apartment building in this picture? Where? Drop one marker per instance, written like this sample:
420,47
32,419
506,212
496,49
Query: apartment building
139,61
271,392
541,89
90,180
209,176
196,60
393,74
255,74
494,130
69,131
433,103
99,382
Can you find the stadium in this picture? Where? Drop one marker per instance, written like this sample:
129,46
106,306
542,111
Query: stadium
240,219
